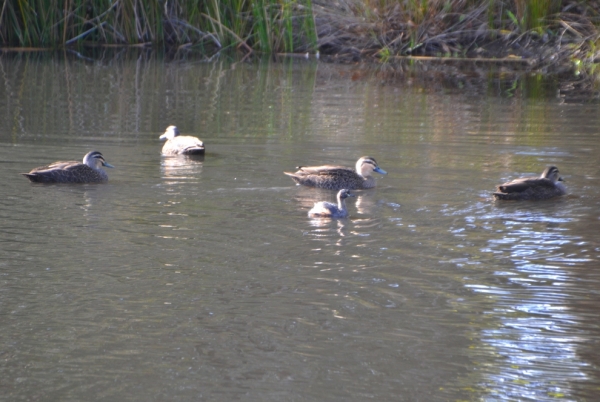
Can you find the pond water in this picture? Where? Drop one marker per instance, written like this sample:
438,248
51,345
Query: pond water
204,279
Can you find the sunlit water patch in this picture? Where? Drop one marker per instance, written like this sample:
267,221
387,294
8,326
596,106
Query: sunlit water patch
531,259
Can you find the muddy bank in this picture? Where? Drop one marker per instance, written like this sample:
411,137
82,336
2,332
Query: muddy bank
348,33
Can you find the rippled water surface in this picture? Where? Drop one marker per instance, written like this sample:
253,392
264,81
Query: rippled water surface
204,279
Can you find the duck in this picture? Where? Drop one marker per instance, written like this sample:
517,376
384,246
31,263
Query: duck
338,177
326,209
72,171
180,144
548,185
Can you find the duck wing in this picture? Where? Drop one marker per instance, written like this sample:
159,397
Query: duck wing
324,170
520,185
55,166
185,144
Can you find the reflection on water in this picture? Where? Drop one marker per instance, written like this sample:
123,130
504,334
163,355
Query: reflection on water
533,281
204,278
328,229
181,167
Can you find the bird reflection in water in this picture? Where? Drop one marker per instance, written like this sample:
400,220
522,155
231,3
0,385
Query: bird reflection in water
181,167
365,203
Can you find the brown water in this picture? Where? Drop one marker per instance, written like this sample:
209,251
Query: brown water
203,279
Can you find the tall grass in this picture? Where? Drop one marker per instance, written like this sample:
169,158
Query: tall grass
264,25
534,14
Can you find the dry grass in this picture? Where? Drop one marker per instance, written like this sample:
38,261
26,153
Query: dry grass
542,31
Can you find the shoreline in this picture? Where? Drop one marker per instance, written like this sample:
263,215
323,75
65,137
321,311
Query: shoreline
544,36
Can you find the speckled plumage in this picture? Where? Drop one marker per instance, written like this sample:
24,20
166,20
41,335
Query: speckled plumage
532,188
180,144
72,171
326,209
338,177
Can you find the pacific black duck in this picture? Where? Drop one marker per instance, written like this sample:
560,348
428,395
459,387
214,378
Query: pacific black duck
548,185
338,177
72,171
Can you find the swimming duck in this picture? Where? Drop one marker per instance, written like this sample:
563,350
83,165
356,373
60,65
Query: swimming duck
532,188
180,144
338,177
72,171
326,209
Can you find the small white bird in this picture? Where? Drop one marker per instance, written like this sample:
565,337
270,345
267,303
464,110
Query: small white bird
326,209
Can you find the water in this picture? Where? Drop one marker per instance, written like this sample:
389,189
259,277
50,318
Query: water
203,279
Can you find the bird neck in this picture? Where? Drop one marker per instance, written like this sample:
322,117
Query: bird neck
369,182
102,173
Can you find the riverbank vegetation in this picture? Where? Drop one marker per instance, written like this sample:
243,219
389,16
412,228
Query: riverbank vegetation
543,32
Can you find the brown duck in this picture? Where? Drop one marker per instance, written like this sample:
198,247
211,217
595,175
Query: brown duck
90,171
338,177
548,185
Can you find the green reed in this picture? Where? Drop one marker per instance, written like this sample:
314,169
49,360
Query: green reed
263,25
533,14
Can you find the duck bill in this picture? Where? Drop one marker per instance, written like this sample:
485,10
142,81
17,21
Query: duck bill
379,170
108,165
163,137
